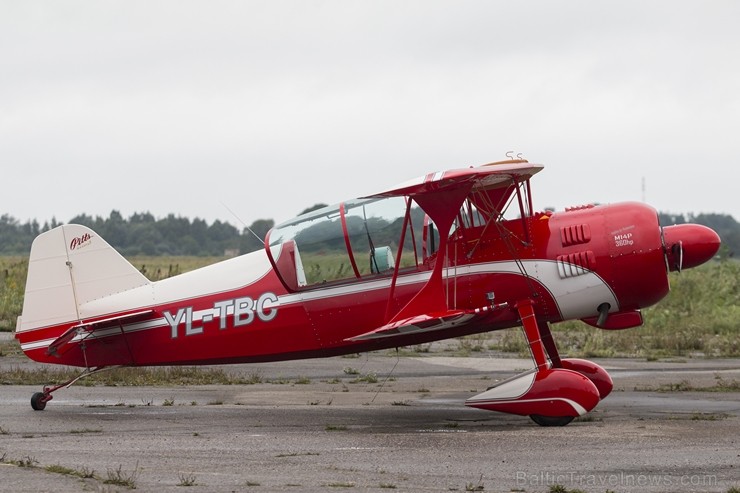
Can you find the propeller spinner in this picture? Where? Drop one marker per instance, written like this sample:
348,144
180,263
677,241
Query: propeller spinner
689,245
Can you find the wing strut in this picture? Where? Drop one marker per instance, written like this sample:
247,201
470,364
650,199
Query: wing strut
442,207
401,241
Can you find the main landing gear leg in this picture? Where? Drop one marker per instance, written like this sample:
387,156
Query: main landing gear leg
39,399
588,369
551,394
595,373
549,343
541,345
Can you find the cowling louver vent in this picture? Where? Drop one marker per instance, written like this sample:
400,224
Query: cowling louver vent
575,264
575,234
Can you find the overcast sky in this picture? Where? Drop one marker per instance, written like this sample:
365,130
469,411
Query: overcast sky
267,107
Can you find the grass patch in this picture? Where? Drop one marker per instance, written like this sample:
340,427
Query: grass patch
559,488
83,473
475,486
369,377
10,348
335,428
721,385
13,270
31,462
475,343
187,480
128,377
119,477
682,386
709,416
297,454
26,461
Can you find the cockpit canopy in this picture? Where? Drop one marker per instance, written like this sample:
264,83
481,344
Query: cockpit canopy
353,240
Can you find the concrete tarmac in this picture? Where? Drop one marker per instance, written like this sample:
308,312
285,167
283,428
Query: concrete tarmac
375,423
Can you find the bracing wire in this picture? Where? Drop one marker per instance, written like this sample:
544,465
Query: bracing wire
262,240
387,377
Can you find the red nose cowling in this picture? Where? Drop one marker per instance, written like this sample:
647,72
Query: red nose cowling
689,245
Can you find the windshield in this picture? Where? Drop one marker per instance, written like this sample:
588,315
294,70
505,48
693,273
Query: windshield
352,240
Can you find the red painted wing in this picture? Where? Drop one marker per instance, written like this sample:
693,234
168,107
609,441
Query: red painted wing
425,322
486,177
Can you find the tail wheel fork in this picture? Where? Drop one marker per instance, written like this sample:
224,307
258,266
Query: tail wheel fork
553,393
39,399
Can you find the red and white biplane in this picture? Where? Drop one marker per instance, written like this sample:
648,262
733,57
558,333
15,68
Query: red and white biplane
449,254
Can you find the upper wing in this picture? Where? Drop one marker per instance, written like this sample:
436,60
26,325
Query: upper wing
441,195
483,178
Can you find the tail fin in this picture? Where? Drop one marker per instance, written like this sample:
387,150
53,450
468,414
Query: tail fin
69,266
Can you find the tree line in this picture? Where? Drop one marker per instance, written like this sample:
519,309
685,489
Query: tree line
143,234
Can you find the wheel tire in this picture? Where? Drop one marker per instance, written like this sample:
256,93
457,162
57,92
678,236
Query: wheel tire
551,420
38,401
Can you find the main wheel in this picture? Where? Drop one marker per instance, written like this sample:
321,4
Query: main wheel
551,420
38,401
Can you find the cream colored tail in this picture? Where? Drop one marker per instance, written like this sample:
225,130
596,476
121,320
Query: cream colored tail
69,266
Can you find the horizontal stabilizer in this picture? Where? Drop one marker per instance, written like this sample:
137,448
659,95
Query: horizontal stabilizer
84,329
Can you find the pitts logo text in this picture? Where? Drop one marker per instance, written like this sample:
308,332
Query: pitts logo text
80,241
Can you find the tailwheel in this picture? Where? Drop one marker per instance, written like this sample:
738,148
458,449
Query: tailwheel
551,420
39,400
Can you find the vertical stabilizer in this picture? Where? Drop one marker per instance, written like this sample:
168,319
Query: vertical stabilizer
69,266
